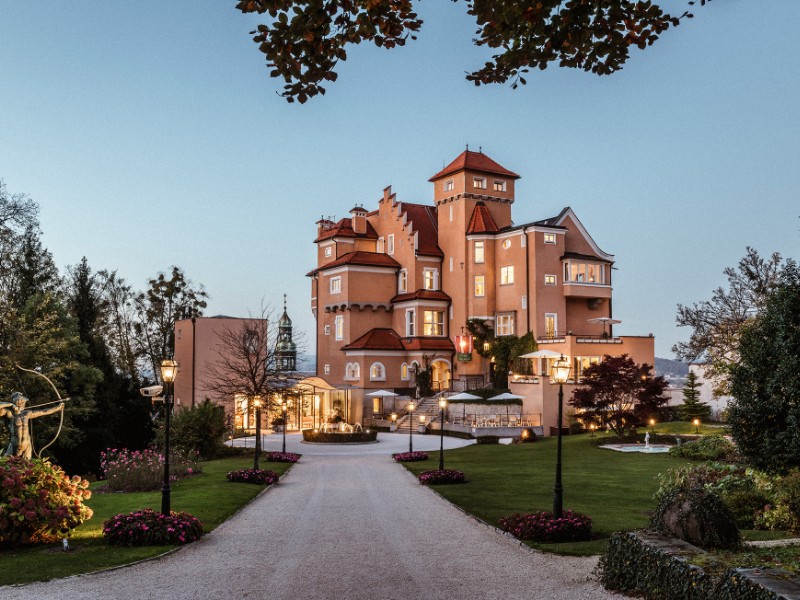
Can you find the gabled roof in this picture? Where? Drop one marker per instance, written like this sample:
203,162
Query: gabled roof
359,257
426,226
344,228
388,339
474,161
422,295
481,220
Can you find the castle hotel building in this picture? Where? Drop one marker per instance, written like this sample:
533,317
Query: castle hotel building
395,287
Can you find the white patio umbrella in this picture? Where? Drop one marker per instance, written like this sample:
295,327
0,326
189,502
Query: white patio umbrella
542,354
383,394
464,396
604,320
507,396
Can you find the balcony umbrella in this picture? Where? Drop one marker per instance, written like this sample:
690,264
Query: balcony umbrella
604,320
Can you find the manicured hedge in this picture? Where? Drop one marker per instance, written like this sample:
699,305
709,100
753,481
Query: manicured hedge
324,437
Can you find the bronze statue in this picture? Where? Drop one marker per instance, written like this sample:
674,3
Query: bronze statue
19,418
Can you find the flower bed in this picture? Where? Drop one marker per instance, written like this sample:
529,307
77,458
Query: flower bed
330,437
255,476
410,456
39,502
543,527
282,457
149,528
437,477
143,470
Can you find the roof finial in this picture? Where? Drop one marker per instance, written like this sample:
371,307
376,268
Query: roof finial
284,303
480,149
467,147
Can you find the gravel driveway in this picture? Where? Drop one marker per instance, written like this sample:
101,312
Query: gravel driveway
345,527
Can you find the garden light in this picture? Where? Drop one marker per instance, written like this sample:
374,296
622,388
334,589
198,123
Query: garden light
560,373
442,406
411,408
169,370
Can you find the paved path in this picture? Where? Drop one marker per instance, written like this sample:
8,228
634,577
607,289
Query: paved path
344,527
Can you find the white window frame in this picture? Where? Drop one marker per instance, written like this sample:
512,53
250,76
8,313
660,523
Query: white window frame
326,369
379,247
327,329
449,186
499,185
411,322
506,244
433,323
451,213
504,324
550,279
430,279
404,372
328,251
549,238
480,286
554,316
390,244
507,275
339,327
352,371
402,281
479,250
377,372
479,183
577,271
336,285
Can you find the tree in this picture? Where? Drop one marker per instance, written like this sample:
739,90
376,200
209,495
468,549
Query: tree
616,390
692,408
165,302
717,323
764,416
305,39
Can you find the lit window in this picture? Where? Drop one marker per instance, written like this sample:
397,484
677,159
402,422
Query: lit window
336,285
404,371
433,322
411,329
549,238
506,244
584,272
507,275
390,244
449,185
352,371
377,372
430,278
549,279
326,369
499,185
480,286
327,329
505,325
479,252
584,362
339,327
479,183
376,405
328,250
550,325
402,281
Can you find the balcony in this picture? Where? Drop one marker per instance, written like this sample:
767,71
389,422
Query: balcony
576,289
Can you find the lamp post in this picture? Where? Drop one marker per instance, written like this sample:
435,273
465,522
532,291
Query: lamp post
696,423
411,408
284,408
442,406
257,404
560,376
169,369
592,427
652,425
394,421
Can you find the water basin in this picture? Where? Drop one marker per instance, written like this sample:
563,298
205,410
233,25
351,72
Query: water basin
651,449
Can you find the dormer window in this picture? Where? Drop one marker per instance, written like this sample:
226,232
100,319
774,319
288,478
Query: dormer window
390,244
449,185
430,279
479,183
499,185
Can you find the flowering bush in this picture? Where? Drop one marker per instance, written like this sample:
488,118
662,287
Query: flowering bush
439,477
143,470
38,501
543,527
282,457
410,456
257,476
149,528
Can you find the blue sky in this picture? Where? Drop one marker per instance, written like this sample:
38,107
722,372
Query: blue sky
151,135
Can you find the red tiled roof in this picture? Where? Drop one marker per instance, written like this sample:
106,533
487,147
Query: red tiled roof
344,228
424,219
422,295
377,339
474,161
388,339
481,220
359,257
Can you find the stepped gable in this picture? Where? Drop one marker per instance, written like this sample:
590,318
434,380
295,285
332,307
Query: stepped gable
344,228
359,257
481,220
474,161
425,224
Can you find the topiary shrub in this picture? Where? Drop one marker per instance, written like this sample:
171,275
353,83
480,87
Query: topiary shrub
255,476
696,516
709,447
39,502
438,477
544,527
149,528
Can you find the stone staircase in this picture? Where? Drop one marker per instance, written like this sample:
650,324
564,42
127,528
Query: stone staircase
425,406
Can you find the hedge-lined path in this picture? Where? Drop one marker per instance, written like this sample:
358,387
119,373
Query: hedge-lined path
345,527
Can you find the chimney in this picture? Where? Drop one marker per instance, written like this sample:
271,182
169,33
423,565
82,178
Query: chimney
359,220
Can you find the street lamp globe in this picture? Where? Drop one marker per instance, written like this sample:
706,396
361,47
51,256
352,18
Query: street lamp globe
561,370
169,370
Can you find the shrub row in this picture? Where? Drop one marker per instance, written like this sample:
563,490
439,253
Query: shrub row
255,476
143,470
657,567
410,456
544,527
282,457
149,528
444,476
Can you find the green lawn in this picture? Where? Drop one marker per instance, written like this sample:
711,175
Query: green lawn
615,489
210,497
687,428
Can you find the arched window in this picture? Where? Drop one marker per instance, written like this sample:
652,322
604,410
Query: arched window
377,372
404,371
352,371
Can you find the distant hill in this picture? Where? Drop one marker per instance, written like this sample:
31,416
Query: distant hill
666,367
